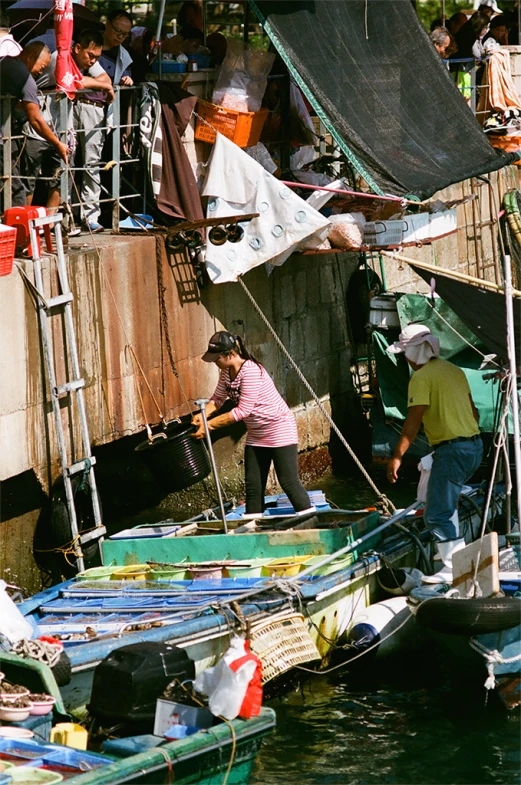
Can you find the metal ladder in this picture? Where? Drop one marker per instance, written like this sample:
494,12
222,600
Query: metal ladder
47,307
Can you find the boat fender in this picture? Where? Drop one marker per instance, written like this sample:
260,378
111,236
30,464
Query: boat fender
376,624
399,582
469,616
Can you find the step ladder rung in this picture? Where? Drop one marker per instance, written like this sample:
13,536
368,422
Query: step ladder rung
94,534
60,299
45,220
68,387
79,466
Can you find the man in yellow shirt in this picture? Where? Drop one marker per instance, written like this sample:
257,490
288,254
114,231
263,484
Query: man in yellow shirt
439,397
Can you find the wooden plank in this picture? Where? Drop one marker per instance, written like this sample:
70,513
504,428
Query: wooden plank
464,566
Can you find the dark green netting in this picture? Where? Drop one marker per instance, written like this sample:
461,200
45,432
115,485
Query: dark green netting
375,79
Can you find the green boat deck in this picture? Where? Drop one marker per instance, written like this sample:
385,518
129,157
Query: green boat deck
243,547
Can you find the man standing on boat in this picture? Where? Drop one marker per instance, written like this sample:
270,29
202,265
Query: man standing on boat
439,397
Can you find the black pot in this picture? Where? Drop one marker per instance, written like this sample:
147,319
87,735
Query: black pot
178,460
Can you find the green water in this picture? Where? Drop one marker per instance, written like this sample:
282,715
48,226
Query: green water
412,721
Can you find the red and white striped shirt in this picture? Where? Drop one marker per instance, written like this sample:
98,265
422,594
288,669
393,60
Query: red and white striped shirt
266,415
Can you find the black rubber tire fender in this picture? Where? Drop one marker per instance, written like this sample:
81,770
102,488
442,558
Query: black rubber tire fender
470,616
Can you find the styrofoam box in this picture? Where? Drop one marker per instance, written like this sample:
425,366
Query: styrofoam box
442,223
416,228
186,715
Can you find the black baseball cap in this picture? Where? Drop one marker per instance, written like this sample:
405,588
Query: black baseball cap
218,344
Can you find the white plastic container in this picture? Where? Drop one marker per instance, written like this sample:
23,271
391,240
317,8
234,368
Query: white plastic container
383,312
442,223
169,713
416,228
383,234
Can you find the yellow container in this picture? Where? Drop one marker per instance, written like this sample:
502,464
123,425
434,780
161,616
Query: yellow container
285,567
70,734
134,572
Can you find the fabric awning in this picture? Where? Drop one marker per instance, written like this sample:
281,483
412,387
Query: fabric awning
482,311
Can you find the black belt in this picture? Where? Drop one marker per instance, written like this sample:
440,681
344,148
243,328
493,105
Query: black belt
459,439
81,100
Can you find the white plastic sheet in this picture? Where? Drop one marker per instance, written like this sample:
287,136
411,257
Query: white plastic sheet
238,185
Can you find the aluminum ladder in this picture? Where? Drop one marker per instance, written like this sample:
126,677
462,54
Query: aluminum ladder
73,388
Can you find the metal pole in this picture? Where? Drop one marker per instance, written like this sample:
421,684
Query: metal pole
158,36
514,402
201,402
353,545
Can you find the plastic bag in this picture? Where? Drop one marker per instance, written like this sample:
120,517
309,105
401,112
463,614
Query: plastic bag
12,624
347,231
233,686
243,77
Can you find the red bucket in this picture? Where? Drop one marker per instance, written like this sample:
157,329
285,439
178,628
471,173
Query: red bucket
7,249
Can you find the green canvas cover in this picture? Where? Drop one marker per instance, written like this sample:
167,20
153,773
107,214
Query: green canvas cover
393,372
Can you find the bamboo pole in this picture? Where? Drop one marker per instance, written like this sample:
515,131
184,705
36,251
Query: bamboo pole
455,274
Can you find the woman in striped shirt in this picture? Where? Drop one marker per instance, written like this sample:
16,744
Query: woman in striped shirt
272,430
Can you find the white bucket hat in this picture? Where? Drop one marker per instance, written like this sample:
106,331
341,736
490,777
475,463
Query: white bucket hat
417,343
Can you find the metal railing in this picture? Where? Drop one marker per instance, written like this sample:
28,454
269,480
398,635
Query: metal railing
70,189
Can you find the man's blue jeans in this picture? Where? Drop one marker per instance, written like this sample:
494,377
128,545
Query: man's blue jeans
453,464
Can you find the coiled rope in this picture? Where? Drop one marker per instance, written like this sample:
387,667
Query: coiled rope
386,503
493,658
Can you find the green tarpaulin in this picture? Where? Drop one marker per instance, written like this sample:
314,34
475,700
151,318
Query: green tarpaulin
393,371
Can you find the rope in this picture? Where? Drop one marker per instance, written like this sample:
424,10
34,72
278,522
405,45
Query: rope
48,653
387,504
493,658
486,357
357,656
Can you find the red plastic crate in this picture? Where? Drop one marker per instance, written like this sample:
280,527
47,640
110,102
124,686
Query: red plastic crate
243,128
7,249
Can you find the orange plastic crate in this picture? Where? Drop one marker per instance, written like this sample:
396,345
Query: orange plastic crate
243,128
7,249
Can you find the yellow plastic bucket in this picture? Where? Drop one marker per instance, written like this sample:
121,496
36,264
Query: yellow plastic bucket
134,572
285,567
70,734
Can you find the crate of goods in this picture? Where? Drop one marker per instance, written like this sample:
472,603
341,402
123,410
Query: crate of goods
384,233
7,248
243,128
416,228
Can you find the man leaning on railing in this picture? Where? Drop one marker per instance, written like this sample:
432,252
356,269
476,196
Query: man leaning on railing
38,155
17,79
91,114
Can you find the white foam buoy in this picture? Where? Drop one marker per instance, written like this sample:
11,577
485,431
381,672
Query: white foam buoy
375,623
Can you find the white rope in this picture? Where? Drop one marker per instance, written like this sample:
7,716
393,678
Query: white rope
485,357
493,658
387,503
48,653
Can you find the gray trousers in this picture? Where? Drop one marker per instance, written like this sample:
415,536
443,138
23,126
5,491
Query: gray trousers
89,124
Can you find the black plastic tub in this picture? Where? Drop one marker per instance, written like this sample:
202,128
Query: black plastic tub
177,461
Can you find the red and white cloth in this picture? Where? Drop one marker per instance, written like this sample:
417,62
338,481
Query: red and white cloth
266,415
67,74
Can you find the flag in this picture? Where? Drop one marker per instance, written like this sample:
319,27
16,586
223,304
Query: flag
67,74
